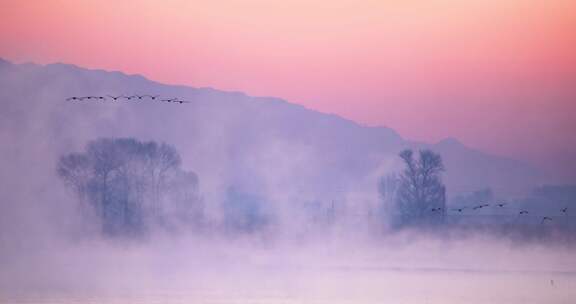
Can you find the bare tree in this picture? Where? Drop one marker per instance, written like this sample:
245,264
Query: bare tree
421,195
129,185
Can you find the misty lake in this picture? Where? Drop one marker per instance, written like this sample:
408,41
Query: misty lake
323,285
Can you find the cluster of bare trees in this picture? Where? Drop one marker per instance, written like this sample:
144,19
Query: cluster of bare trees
416,196
130,185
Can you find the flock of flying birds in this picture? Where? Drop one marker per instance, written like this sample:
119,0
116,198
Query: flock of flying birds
126,98
564,210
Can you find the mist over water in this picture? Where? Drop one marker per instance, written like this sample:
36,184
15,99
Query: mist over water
50,252
322,270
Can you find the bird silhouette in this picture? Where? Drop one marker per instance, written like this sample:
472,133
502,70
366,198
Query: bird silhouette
459,209
564,209
95,97
545,219
72,98
523,212
436,209
153,97
501,205
114,97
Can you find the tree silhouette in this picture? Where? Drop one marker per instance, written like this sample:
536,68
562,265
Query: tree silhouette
421,195
130,185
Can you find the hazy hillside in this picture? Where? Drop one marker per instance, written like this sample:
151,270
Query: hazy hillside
262,145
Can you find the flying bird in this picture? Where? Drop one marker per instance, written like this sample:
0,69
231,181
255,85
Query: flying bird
95,97
114,97
546,219
501,204
84,97
523,212
437,209
153,97
564,209
459,209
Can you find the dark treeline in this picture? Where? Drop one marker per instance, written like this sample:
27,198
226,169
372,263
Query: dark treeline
130,187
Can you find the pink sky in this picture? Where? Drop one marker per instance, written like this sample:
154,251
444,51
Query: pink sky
500,75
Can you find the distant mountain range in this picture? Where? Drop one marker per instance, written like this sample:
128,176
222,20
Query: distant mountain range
264,145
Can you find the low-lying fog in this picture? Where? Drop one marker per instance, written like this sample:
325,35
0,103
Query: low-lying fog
49,253
404,268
